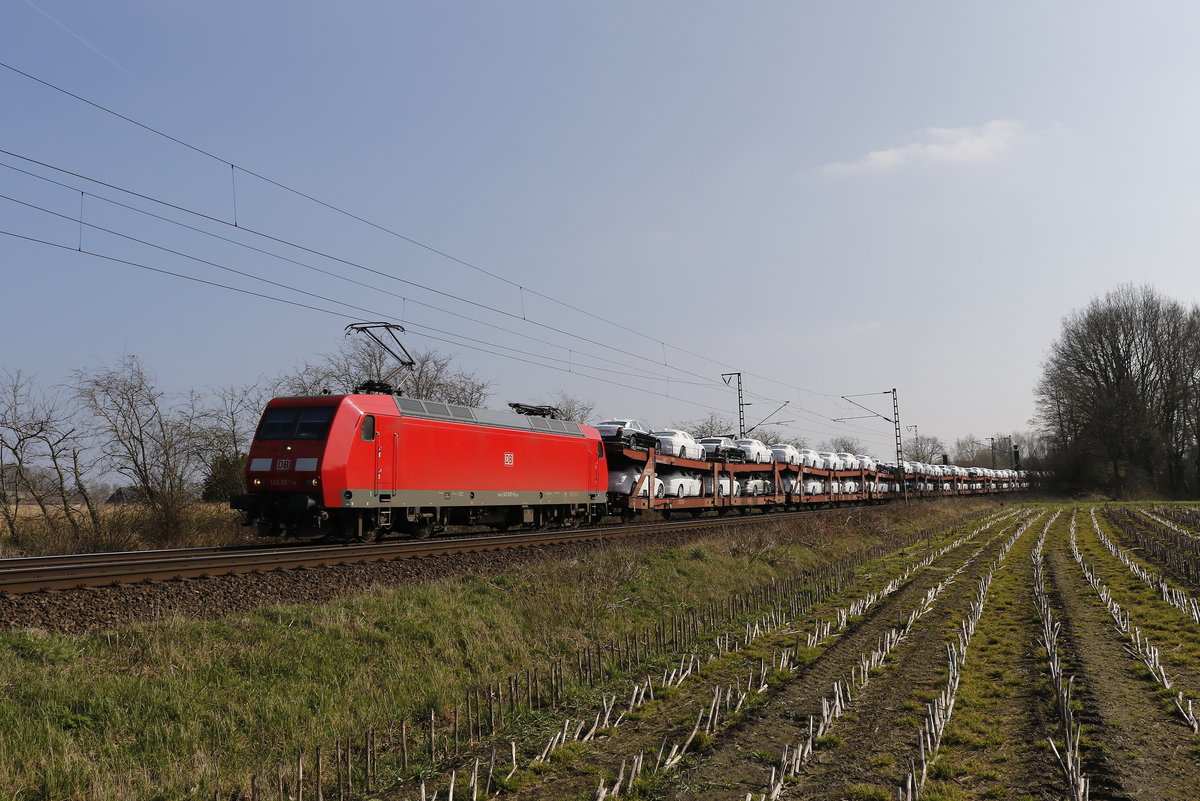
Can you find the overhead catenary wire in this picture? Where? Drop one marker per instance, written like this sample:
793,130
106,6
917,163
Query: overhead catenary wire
433,337
383,228
343,315
447,338
442,310
312,295
427,331
423,330
709,383
234,168
357,265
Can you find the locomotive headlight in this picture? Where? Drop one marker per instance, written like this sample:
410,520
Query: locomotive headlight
312,482
256,482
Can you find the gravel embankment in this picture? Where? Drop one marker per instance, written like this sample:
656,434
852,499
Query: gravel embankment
91,609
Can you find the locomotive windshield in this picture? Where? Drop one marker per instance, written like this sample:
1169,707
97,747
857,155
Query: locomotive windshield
296,422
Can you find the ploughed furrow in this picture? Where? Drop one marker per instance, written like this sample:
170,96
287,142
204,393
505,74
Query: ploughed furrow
1163,518
1171,554
903,643
1186,518
996,740
1133,747
1160,630
645,752
1169,593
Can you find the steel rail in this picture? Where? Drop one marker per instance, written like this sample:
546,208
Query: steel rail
25,575
132,556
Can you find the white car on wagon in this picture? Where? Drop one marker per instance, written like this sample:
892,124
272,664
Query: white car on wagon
809,457
624,481
831,461
788,454
756,451
681,485
673,442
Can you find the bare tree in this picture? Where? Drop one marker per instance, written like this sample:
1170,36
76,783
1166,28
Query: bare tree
356,361
923,448
711,425
232,416
434,378
773,434
43,460
149,438
1118,389
1033,447
967,451
844,444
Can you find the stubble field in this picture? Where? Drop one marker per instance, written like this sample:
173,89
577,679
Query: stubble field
947,651
1040,655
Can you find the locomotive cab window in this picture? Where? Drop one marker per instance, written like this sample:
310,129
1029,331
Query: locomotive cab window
296,422
368,428
277,423
314,422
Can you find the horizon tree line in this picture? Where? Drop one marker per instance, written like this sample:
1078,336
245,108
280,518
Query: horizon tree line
111,433
1119,395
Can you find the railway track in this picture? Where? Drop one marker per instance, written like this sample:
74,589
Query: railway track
26,575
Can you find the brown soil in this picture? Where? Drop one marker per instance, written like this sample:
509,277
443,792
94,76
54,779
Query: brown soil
1148,528
870,746
995,745
735,765
1135,748
1175,633
1134,745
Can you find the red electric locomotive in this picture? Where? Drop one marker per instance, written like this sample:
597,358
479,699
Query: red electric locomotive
362,465
373,462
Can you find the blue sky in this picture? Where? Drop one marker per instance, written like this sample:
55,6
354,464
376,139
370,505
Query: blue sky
833,198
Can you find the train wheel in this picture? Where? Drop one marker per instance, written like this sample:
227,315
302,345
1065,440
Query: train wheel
424,528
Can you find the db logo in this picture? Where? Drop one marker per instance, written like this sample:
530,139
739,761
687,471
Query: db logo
508,459
283,464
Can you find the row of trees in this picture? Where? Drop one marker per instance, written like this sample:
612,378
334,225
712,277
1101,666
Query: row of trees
1119,396
62,448
968,451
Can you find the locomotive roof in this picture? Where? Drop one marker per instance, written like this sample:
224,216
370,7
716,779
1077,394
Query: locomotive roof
452,412
414,407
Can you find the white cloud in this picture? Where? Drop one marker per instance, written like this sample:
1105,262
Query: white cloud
938,146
